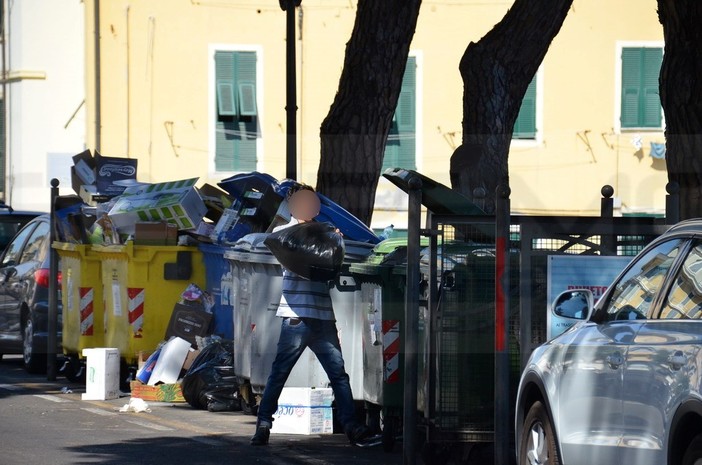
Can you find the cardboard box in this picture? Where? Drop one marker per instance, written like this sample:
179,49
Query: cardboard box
99,178
111,172
170,362
176,202
161,393
192,355
188,321
155,233
304,411
102,374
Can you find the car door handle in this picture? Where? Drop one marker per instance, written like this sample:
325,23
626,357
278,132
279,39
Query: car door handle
615,361
677,360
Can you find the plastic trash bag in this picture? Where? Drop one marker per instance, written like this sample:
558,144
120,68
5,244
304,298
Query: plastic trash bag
210,382
312,250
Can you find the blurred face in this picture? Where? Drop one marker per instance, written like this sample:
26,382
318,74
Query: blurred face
304,205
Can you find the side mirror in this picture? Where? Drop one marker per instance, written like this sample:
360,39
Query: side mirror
567,309
7,273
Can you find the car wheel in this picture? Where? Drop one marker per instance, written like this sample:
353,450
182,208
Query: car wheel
34,362
538,443
693,454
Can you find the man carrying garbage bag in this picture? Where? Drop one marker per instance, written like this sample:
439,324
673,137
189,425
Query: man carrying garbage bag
308,317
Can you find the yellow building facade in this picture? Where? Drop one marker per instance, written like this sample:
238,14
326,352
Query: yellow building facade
197,88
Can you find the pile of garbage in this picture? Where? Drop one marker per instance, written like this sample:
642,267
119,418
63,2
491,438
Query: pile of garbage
112,208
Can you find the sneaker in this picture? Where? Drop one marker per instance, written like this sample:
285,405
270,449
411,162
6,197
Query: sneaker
358,433
261,436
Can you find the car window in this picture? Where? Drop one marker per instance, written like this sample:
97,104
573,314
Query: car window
636,290
35,250
9,225
14,249
684,300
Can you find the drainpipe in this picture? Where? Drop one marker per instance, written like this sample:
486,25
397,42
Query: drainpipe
5,20
98,120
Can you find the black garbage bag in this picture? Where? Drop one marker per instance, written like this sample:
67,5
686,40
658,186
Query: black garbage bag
210,382
312,250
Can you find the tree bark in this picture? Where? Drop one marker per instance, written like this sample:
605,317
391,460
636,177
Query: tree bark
354,133
681,98
496,72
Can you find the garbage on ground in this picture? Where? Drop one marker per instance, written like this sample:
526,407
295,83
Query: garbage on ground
210,382
169,362
102,374
192,316
136,405
304,411
66,390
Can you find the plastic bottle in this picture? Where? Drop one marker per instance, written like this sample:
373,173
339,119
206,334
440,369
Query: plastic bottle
387,232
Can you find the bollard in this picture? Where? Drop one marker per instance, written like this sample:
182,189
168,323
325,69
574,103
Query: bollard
502,400
414,217
672,203
52,324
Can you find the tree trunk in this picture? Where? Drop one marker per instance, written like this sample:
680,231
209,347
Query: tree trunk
496,72
354,133
681,98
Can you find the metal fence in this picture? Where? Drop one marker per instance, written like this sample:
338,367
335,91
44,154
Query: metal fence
459,388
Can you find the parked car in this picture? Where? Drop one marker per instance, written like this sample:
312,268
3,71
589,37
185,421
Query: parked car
24,291
623,385
11,221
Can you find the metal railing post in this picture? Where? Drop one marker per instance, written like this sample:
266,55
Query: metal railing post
52,339
502,287
607,211
414,212
672,203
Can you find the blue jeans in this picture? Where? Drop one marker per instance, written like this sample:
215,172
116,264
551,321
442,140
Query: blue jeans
322,338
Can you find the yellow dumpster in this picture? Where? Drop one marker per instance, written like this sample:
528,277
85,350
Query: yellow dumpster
81,297
141,285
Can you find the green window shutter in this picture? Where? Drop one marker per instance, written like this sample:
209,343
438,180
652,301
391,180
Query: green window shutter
525,125
400,149
236,122
225,98
641,105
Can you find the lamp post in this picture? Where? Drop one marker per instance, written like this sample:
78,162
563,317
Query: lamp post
291,89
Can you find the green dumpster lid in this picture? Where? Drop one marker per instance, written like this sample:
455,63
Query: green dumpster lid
437,197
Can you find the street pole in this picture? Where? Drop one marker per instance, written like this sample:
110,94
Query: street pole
414,212
291,89
52,339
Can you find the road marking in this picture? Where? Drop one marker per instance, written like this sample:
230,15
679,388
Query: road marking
99,411
10,387
147,424
56,399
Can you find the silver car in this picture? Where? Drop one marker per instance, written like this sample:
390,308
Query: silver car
622,385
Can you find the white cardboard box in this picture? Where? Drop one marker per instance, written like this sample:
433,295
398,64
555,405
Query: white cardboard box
304,411
102,374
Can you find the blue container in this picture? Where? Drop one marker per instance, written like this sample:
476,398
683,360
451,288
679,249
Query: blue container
218,279
331,212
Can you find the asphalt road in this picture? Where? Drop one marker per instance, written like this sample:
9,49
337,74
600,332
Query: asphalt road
40,425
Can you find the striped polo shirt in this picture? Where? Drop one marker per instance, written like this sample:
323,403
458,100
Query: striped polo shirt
303,298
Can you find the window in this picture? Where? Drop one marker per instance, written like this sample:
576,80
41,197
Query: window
36,245
13,251
636,290
685,297
400,148
640,99
236,119
525,126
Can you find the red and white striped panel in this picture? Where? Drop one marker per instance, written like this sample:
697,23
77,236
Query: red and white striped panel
391,350
86,310
136,310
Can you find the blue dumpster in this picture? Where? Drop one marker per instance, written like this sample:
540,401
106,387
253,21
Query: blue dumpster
218,278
